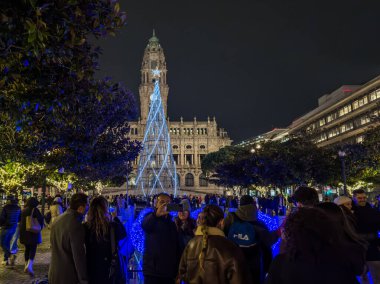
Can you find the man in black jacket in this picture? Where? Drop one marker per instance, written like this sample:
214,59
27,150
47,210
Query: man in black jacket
9,218
161,254
368,224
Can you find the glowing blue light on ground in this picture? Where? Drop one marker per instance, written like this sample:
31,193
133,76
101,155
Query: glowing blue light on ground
156,170
137,233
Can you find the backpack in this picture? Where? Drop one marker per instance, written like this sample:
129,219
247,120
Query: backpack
242,233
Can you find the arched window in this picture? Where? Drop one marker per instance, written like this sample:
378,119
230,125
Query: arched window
188,147
189,180
202,147
178,180
203,181
175,147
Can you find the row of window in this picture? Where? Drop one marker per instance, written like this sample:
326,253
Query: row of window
187,159
189,147
375,95
189,180
134,131
358,122
187,131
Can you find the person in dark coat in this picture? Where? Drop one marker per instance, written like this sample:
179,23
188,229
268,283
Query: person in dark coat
30,239
161,254
259,257
67,238
9,218
368,226
313,252
98,241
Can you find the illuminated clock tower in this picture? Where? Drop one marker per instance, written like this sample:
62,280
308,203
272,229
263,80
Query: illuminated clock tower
154,58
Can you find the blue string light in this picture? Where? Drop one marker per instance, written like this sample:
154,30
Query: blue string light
156,171
137,233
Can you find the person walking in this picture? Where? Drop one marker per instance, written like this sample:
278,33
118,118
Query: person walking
99,228
67,238
161,254
56,209
210,257
28,237
9,218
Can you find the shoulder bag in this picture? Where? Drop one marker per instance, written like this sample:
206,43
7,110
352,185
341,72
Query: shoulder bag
32,224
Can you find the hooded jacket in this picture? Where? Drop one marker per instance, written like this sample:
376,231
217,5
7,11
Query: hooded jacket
223,260
258,258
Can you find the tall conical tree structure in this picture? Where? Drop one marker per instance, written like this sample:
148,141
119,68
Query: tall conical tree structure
156,171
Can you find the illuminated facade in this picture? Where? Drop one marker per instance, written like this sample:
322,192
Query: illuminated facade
191,140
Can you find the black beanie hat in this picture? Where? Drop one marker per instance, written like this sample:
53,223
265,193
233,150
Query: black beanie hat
245,200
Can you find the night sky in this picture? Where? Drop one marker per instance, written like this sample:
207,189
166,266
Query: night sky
254,64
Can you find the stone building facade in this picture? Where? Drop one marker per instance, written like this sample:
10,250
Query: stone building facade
191,140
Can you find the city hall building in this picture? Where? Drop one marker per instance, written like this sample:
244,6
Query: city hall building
191,140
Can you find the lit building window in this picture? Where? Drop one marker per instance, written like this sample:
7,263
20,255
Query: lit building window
331,117
322,138
364,120
345,110
360,102
359,139
322,122
334,132
374,95
346,127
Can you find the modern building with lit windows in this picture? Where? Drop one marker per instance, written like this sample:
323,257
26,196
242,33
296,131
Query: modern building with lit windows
342,116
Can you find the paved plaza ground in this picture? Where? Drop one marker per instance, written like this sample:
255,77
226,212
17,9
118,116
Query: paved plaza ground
41,266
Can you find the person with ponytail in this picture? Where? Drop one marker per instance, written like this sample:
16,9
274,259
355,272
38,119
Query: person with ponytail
210,257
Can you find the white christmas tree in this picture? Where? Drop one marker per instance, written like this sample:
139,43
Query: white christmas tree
156,171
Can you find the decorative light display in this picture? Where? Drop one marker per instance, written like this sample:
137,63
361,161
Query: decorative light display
156,170
137,233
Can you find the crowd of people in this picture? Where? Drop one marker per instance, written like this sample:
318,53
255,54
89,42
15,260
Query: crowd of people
321,242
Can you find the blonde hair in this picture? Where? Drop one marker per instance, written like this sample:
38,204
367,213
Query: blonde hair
212,216
204,247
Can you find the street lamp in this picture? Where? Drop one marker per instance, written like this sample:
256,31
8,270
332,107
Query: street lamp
342,156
